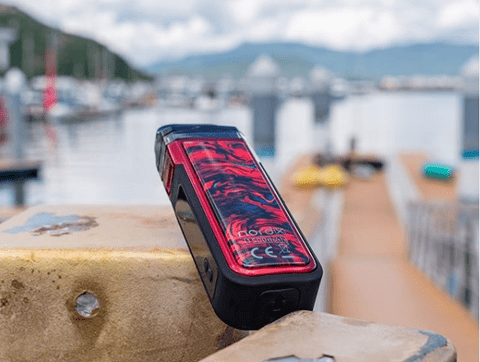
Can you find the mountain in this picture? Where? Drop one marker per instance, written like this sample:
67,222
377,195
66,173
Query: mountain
76,56
298,59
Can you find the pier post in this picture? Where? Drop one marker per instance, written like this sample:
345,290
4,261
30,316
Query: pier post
111,283
320,82
262,76
468,180
14,84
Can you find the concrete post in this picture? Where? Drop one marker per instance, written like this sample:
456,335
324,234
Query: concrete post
293,141
7,36
320,82
320,337
262,76
468,179
98,283
14,83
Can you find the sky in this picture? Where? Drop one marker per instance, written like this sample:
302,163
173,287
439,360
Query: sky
147,31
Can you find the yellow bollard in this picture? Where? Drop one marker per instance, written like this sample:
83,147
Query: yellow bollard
309,177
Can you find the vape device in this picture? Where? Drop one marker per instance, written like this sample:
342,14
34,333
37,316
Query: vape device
251,256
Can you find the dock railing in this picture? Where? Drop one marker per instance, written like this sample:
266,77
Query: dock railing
443,243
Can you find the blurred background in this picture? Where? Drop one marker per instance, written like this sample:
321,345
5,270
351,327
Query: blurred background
292,76
376,93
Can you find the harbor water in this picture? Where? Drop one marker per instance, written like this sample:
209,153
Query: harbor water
110,160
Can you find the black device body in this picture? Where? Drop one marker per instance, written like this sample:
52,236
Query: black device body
249,280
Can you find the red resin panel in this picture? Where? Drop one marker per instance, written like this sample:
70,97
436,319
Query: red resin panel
257,228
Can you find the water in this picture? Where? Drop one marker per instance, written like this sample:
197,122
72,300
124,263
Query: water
111,160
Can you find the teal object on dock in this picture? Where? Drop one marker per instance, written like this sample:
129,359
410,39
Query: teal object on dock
438,171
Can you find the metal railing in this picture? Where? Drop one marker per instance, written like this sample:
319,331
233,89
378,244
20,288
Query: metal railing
443,243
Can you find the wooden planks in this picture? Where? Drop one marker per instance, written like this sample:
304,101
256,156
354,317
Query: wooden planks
373,280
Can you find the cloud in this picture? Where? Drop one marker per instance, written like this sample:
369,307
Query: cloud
244,11
142,41
345,28
458,14
145,31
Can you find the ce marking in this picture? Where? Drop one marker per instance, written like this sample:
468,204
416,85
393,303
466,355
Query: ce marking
268,251
255,255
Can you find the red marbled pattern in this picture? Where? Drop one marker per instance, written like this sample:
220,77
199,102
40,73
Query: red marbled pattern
257,229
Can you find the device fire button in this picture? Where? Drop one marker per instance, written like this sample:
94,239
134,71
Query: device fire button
274,304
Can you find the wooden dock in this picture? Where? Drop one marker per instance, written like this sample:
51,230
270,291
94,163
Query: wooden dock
371,277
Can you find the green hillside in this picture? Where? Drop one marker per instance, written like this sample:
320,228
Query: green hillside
76,56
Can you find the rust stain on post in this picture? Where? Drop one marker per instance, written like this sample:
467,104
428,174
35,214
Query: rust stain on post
50,224
83,224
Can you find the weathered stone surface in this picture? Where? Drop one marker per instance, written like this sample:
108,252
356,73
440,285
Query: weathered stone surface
309,336
141,299
152,305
